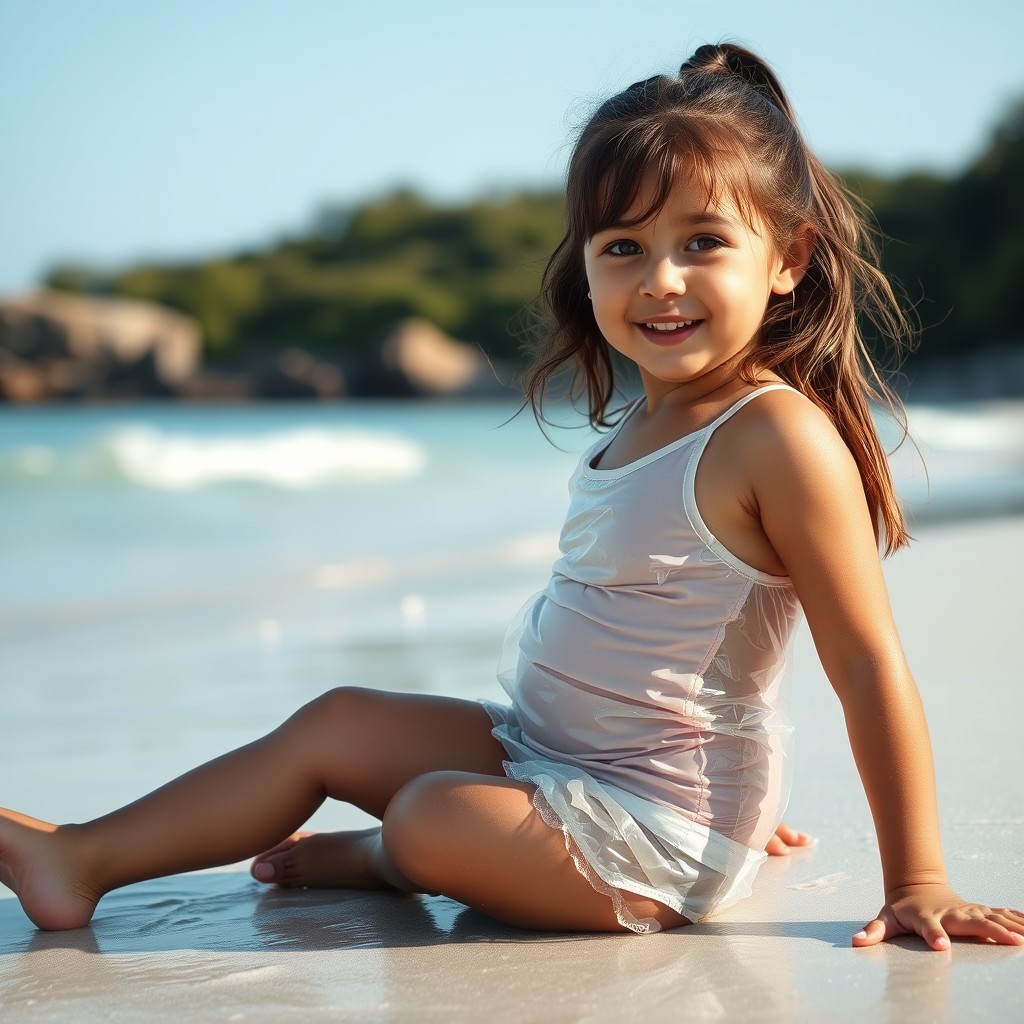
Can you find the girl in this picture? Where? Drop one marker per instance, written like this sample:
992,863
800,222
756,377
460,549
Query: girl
639,773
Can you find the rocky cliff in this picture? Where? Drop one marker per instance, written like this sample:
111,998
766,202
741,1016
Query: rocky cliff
57,346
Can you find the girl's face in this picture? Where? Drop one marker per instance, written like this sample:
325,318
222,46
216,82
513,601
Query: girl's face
683,294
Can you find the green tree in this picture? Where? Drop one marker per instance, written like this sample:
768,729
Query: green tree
956,243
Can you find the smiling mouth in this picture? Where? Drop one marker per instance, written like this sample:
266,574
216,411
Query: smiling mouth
671,325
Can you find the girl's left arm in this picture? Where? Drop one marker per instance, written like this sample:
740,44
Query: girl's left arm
808,494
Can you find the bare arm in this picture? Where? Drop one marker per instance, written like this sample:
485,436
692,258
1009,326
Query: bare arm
808,496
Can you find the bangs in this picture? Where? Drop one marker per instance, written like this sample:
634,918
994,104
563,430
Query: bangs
652,158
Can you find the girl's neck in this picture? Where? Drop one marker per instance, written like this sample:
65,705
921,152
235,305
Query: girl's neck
720,386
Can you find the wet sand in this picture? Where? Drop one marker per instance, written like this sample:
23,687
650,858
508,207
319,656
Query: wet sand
216,946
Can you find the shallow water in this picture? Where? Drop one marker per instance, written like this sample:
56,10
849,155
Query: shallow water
175,580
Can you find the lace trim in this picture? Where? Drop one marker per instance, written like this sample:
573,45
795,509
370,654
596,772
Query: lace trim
640,925
550,817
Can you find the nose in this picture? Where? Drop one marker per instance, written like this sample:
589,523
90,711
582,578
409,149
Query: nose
663,277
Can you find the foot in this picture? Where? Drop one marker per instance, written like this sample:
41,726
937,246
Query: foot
37,863
321,860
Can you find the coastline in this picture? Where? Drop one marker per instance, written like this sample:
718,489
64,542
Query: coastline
215,946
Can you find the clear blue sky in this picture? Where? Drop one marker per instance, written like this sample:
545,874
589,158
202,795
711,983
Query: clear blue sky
183,128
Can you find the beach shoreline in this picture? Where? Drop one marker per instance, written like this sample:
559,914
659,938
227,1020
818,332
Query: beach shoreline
215,946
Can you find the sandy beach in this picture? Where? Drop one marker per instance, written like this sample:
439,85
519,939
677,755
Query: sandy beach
216,946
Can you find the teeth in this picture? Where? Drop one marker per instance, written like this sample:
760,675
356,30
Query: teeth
673,325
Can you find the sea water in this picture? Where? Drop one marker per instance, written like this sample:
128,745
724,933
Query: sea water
176,579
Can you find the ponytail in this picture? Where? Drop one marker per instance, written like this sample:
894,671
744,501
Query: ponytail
727,58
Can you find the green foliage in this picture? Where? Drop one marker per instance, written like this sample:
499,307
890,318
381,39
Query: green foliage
469,268
956,245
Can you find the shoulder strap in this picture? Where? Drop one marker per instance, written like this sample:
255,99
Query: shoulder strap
736,406
690,494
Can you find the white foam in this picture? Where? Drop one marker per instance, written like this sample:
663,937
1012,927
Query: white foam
355,573
997,427
292,459
36,460
540,548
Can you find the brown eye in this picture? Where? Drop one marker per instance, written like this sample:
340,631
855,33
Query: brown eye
704,243
623,247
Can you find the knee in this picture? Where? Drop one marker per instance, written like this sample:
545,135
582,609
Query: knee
417,829
333,711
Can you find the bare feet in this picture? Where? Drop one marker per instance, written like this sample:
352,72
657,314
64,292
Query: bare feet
321,860
36,862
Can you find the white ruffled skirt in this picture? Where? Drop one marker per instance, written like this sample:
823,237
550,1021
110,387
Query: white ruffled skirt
621,842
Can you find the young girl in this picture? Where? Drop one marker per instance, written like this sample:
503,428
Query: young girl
640,771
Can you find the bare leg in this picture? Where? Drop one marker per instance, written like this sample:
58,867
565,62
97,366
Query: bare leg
356,745
332,860
480,840
452,823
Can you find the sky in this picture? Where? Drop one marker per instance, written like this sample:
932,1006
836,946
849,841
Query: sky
181,129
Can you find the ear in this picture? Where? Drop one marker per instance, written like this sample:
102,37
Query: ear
792,264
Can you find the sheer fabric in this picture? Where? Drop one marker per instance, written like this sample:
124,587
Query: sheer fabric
646,686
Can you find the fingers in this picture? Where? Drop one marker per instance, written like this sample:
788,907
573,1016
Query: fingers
1002,927
784,839
1013,922
885,926
875,931
791,837
935,935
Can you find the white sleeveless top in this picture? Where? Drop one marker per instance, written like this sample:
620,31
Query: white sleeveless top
646,688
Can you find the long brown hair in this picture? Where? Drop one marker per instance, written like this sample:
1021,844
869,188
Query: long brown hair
725,124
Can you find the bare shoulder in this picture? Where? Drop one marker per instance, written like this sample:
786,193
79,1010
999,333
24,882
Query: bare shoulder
807,490
783,443
783,427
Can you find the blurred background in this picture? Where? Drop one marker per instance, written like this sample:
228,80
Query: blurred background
211,213
329,199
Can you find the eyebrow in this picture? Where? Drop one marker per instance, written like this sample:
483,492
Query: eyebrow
710,219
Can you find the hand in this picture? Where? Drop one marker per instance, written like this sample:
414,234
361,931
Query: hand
784,839
935,913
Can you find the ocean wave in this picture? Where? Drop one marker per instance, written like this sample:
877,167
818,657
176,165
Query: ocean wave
296,459
35,460
994,427
525,550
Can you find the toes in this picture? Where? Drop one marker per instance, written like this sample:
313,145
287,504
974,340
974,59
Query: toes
272,865
278,869
285,844
262,871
